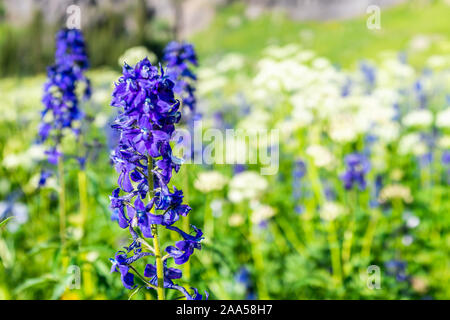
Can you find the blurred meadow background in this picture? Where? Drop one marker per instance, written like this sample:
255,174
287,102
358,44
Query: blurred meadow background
311,69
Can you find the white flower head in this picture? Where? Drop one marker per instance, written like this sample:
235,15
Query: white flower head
395,191
261,213
331,210
321,156
247,185
418,118
236,220
343,129
412,144
443,118
210,181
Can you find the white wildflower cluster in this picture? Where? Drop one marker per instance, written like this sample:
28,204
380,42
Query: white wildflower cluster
209,181
395,191
247,185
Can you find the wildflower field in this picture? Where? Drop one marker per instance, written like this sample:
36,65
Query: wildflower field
120,182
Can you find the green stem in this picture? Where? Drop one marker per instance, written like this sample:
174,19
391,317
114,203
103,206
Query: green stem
208,218
335,256
62,202
186,224
142,277
307,220
349,233
259,263
397,207
290,235
82,187
154,227
370,233
159,263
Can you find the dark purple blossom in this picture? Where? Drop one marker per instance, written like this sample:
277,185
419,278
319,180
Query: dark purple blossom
369,74
185,248
397,268
378,185
179,57
121,263
357,168
147,114
169,275
45,174
297,176
60,98
446,157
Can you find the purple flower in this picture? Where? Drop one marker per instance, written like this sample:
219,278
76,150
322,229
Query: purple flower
169,275
121,264
378,185
297,175
71,48
179,57
147,114
185,248
60,97
45,174
369,74
396,268
357,167
446,157
53,155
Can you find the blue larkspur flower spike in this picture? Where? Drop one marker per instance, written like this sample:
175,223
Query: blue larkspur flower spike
357,166
180,57
60,98
147,114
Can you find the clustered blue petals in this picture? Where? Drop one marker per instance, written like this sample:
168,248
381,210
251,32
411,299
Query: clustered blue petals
179,57
297,175
60,97
357,168
148,112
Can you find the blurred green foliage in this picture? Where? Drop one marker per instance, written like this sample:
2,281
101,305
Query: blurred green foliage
343,42
28,49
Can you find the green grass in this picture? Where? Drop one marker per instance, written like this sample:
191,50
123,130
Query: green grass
343,42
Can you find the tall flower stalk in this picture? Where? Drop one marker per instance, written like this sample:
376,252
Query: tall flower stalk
144,203
180,57
61,104
357,167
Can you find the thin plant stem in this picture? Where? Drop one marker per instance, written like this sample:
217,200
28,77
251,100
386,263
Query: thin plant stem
335,255
208,218
258,259
186,224
370,233
290,235
142,277
349,233
397,207
146,244
159,263
82,188
62,202
154,228
88,283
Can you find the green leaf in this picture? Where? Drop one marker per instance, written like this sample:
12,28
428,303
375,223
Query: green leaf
46,278
5,221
